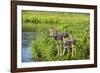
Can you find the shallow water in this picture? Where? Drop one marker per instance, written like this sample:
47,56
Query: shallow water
26,45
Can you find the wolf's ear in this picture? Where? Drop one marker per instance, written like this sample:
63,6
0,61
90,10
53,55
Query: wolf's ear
50,32
65,34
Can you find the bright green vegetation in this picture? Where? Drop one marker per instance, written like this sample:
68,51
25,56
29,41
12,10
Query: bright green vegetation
44,48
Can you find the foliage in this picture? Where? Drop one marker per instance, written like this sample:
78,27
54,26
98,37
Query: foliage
44,47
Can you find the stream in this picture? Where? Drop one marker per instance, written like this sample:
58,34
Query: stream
26,46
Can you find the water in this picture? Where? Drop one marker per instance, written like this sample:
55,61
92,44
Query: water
26,54
26,45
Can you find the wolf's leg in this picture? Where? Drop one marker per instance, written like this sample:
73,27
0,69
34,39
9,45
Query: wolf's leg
73,50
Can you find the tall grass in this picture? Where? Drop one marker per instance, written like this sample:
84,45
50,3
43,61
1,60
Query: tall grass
43,47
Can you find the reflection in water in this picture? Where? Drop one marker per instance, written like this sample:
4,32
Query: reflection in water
26,45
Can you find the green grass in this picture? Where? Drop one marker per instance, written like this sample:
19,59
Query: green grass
44,47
